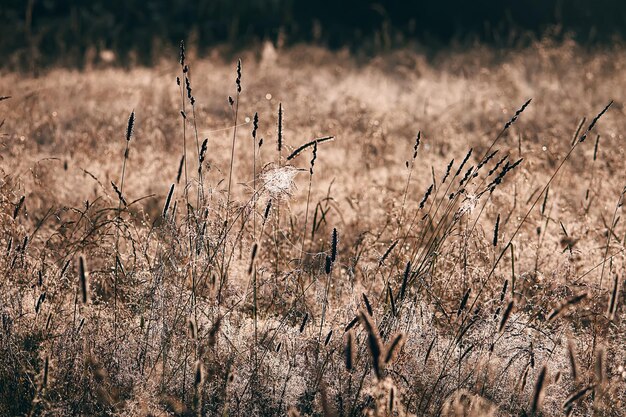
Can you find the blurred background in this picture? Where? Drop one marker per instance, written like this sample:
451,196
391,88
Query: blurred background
68,32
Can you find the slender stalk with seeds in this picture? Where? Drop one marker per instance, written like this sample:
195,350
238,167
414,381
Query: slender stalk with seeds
129,133
487,154
306,210
410,166
192,102
224,268
328,268
255,126
485,281
279,148
552,177
179,80
516,231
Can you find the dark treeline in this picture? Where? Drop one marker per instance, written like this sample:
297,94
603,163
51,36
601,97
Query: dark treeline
63,30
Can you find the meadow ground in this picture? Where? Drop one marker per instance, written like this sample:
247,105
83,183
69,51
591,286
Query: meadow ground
377,280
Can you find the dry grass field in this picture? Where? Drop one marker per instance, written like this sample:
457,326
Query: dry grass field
162,253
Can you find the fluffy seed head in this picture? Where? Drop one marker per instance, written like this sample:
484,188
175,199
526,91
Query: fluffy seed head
279,181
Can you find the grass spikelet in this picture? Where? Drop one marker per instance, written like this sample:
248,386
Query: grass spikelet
517,114
572,359
429,350
538,393
304,322
522,382
577,131
197,388
238,79
334,242
417,144
368,306
460,168
612,307
193,328
46,372
314,142
374,343
82,276
255,124
495,231
505,316
119,193
268,207
486,160
392,302
328,336
598,367
426,195
405,280
18,206
202,155
594,121
505,170
387,252
180,169
213,331
40,300
349,351
467,175
467,352
463,302
130,126
569,402
168,200
279,142
497,165
570,302
352,323
448,168
314,157
190,96
545,202
182,53
255,247
393,347
328,265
